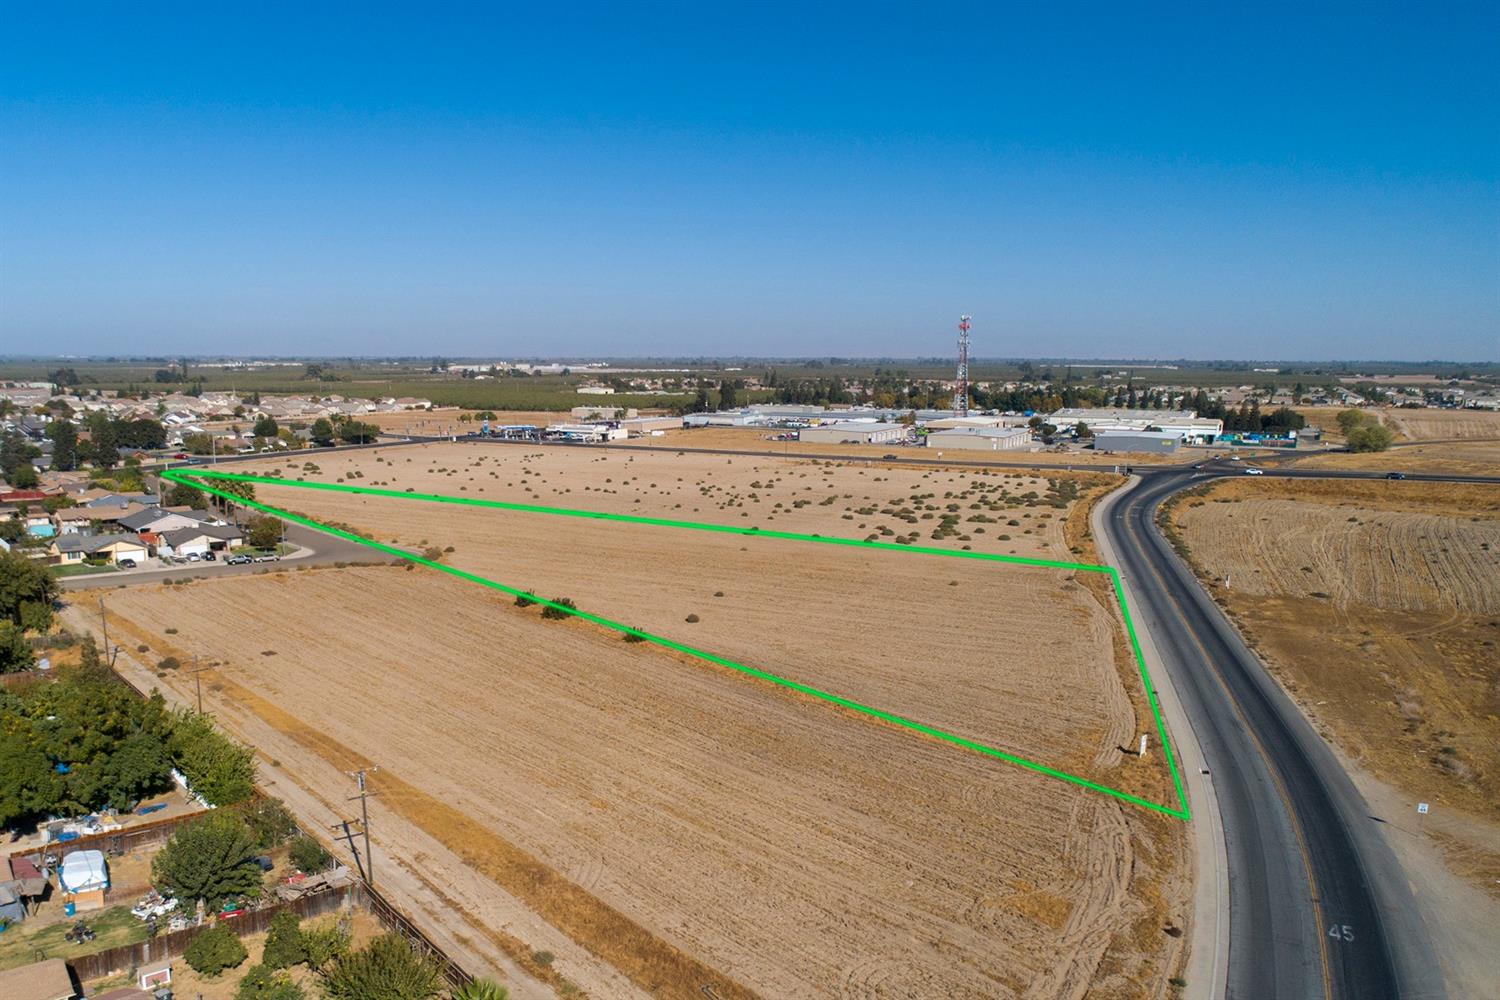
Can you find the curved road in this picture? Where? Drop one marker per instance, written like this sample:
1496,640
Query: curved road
1318,904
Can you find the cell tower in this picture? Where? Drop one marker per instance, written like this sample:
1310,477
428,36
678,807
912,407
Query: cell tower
961,391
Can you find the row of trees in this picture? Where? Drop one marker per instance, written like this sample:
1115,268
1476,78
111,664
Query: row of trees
86,741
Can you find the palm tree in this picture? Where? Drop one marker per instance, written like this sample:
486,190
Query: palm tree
482,989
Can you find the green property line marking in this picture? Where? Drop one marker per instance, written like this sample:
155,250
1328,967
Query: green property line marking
195,476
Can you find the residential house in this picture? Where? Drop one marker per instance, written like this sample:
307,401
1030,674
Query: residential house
45,980
162,520
71,550
83,520
183,542
121,500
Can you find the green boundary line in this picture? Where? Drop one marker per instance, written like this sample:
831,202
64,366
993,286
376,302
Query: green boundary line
1180,812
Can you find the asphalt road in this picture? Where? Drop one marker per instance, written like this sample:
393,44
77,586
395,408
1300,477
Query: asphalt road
1318,904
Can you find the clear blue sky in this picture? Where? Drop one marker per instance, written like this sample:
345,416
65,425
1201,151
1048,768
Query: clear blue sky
807,179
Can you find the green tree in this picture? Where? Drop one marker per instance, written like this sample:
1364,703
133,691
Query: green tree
237,487
27,592
263,983
28,784
138,767
284,947
16,454
1373,437
271,823
309,856
1350,421
265,427
23,476
322,431
728,399
183,495
385,969
215,950
264,532
15,651
217,768
64,445
357,432
324,945
482,989
198,444
212,859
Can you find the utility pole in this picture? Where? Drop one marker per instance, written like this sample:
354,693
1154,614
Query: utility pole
104,623
197,673
364,818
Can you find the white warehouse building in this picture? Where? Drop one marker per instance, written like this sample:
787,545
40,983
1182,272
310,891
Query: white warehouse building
853,432
1185,424
981,438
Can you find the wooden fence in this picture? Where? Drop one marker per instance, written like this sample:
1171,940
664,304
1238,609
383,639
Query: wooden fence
127,838
153,951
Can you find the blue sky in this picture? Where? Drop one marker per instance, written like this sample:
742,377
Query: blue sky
549,179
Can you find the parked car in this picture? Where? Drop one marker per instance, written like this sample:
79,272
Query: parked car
271,557
192,557
127,564
238,560
209,556
1255,472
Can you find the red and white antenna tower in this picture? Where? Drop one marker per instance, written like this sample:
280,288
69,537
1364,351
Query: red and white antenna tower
961,391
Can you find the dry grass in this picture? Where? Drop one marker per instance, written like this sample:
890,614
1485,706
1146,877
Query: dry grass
1378,605
690,826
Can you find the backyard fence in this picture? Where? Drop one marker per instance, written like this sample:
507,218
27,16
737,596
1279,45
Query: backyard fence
154,951
127,838
163,947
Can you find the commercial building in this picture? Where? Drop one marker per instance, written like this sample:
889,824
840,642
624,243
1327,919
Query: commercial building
979,420
1186,424
854,432
1156,442
981,438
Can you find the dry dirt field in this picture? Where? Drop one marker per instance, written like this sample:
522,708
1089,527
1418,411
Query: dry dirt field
1439,425
680,824
1378,605
1469,458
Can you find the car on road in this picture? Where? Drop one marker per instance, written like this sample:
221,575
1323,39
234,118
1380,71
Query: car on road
182,454
127,564
238,560
1255,472
889,458
1395,475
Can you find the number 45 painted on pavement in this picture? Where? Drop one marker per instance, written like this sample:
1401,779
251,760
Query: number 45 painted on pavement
1341,932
